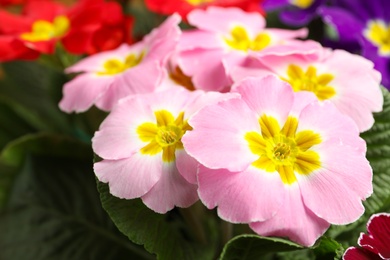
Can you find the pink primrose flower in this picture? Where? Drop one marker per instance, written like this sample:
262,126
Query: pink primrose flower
226,37
140,144
375,244
348,81
111,75
281,161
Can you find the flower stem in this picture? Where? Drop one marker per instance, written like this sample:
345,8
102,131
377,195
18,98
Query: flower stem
227,231
193,218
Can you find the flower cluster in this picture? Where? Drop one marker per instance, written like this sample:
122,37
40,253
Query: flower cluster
89,26
207,108
251,120
357,25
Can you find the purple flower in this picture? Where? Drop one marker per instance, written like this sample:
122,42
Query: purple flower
294,12
366,25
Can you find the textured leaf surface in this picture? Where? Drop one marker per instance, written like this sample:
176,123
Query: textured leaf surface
248,247
165,235
53,210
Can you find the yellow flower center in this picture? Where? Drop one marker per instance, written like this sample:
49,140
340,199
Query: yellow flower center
283,150
378,33
308,80
199,2
180,78
303,4
115,66
43,30
240,40
164,135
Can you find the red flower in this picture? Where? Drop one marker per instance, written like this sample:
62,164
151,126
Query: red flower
11,2
87,27
375,244
183,7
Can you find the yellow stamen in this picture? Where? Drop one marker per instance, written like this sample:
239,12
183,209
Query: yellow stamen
199,2
240,40
164,135
44,30
115,66
308,80
378,33
284,150
303,4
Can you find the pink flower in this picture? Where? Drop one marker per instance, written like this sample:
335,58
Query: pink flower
375,244
279,160
347,80
143,156
111,75
226,37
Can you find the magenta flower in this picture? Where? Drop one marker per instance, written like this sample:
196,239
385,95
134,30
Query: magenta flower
375,244
111,75
347,80
143,156
224,38
280,161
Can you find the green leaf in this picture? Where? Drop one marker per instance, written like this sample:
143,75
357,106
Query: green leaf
165,235
45,144
328,248
53,210
38,89
255,247
16,121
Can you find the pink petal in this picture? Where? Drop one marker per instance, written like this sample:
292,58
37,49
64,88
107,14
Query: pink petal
283,48
283,34
293,220
82,92
256,71
205,68
241,197
94,63
329,197
378,239
187,166
221,20
162,41
131,177
218,134
268,95
325,119
117,137
358,89
193,39
170,191
140,79
353,170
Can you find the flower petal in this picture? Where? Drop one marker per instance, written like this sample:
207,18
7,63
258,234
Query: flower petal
171,190
241,197
378,239
131,177
82,92
217,139
293,220
261,95
339,202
